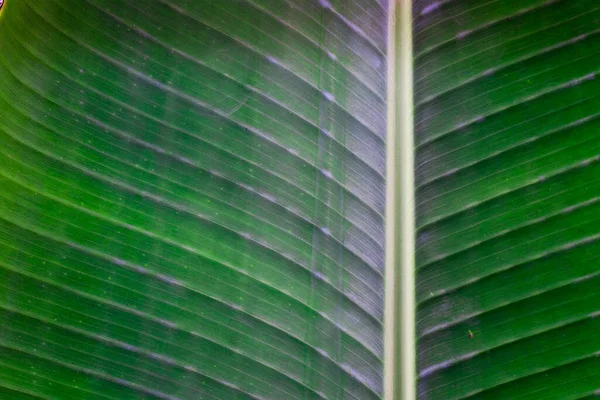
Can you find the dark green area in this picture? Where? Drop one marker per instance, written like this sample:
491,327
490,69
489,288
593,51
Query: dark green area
508,145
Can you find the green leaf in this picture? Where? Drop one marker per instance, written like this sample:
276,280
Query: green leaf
192,198
507,214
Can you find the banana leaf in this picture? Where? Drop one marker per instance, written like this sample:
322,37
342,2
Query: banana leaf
193,198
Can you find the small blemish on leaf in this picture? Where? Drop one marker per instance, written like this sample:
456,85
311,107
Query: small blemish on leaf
463,34
329,96
324,3
430,8
327,173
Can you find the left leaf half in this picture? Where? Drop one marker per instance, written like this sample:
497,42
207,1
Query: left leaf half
191,199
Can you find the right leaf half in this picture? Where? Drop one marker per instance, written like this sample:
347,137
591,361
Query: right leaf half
508,217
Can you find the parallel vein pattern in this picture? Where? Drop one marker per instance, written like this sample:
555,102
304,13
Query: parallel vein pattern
192,199
507,165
